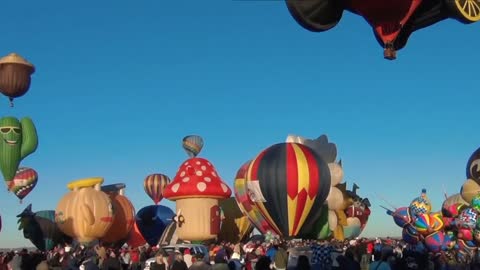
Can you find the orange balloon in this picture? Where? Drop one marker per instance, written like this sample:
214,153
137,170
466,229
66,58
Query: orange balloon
85,213
124,215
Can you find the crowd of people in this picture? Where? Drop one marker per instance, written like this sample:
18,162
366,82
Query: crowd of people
358,254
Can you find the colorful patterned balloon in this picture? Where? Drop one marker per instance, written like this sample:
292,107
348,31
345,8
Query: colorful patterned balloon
423,223
192,144
467,219
23,182
421,205
435,241
402,216
475,204
154,185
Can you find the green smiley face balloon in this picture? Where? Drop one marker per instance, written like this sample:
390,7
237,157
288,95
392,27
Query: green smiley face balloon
18,139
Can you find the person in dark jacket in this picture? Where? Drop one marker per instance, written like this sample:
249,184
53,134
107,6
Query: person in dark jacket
112,262
159,263
179,264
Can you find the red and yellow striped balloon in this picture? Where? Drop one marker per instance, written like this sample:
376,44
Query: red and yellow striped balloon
289,182
154,185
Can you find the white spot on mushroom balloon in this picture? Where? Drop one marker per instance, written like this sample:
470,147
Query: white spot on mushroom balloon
199,173
186,179
175,187
182,174
204,168
201,186
224,188
214,174
207,179
198,162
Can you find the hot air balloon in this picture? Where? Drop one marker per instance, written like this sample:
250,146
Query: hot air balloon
15,76
192,144
154,184
124,215
286,182
235,226
473,166
18,140
247,206
392,22
152,221
24,182
40,228
85,213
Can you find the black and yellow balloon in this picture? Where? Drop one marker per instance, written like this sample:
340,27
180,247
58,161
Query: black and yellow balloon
289,183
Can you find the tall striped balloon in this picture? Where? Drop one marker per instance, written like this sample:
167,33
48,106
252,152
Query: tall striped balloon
192,144
289,183
154,185
24,182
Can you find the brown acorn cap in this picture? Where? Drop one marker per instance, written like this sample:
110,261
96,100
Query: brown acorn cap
14,58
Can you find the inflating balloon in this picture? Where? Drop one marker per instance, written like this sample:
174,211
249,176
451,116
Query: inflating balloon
286,182
85,213
192,144
152,221
15,76
19,139
235,226
40,228
392,21
421,204
124,215
154,184
24,182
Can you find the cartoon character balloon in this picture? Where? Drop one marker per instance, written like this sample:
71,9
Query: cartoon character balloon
19,139
473,166
24,182
154,184
192,144
85,213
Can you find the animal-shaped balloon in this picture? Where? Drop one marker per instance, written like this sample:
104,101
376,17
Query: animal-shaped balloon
24,182
154,184
19,139
473,166
192,144
40,228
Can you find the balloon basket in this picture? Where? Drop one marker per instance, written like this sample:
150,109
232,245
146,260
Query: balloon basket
11,102
21,201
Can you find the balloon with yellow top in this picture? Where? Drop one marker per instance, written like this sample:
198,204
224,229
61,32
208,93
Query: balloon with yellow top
421,204
85,213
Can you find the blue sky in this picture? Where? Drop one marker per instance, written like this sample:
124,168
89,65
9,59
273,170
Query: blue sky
118,84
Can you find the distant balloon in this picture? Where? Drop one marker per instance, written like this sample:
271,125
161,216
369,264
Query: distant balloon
192,144
15,76
152,221
24,182
154,185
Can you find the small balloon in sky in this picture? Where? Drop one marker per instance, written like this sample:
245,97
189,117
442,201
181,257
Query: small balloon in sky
192,144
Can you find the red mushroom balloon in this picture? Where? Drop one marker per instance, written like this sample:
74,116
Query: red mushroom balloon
196,188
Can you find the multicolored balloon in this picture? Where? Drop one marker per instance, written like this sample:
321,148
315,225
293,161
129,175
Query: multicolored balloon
289,183
475,204
24,182
467,219
436,241
154,184
18,140
421,204
401,216
192,144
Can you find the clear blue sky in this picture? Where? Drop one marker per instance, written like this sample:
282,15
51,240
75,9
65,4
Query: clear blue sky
119,83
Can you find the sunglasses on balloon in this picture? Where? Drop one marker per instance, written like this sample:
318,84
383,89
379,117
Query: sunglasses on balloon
7,130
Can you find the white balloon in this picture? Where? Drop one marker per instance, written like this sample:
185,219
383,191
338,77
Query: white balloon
332,220
336,173
335,199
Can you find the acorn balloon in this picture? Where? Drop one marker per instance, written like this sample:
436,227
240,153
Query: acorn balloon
15,76
24,182
154,184
192,144
19,139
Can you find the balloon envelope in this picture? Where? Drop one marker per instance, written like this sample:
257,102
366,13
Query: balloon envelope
152,221
192,144
24,182
287,181
154,184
